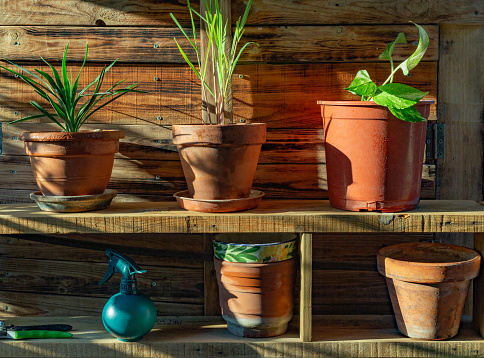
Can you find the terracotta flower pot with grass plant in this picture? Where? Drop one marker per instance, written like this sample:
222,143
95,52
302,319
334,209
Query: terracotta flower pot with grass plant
71,162
428,285
219,158
375,147
256,274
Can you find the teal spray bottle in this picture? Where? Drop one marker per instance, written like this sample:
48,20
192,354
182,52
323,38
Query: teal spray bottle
128,315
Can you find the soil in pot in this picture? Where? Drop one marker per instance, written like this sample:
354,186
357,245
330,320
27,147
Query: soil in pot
72,163
374,161
219,161
256,295
428,285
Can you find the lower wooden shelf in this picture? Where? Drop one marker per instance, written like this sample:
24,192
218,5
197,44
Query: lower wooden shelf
333,336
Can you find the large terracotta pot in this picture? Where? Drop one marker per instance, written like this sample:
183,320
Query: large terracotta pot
72,163
219,161
374,160
256,287
428,284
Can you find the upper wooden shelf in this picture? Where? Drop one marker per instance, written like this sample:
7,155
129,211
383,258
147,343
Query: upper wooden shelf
297,216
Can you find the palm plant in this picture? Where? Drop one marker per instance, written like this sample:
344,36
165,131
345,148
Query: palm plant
223,62
71,107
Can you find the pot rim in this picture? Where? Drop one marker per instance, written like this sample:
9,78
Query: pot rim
203,135
366,103
295,238
218,125
59,136
428,272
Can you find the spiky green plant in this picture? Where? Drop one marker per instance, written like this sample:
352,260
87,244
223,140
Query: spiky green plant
223,62
71,107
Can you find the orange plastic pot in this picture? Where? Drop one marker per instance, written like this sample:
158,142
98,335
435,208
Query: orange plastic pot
219,161
374,160
257,299
72,163
428,285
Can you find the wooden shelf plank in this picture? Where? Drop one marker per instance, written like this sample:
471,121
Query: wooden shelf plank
298,216
156,45
335,336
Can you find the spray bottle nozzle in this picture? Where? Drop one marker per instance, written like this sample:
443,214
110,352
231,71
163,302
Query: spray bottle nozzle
126,267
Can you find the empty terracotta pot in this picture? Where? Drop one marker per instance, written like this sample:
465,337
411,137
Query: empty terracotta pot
257,299
428,284
219,161
374,160
72,163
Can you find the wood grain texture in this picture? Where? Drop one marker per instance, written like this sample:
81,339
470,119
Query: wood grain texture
210,286
81,279
265,12
283,96
306,287
24,304
297,216
93,12
277,44
373,336
314,12
170,250
461,109
356,252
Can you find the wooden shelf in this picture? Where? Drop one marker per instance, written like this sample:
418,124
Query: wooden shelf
361,336
308,336
299,216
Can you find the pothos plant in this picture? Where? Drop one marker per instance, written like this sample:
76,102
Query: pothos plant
72,107
398,98
223,62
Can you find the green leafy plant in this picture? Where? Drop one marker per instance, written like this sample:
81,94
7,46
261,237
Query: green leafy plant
71,107
398,98
223,62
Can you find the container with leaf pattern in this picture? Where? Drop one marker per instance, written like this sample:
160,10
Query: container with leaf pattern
255,248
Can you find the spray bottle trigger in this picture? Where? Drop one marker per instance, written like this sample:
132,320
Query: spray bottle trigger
109,273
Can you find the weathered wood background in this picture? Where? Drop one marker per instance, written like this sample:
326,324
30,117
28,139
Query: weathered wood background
308,51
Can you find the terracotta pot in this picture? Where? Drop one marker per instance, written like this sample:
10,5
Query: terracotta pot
72,163
374,160
257,299
428,284
219,162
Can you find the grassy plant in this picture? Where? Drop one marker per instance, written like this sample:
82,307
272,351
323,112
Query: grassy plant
223,62
398,98
71,107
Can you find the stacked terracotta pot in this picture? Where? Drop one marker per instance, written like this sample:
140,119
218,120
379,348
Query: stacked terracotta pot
256,275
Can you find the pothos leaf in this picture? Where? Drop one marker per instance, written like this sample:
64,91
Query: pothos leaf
398,95
387,53
409,114
423,43
362,85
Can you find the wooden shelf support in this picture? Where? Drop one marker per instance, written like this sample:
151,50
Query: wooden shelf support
305,301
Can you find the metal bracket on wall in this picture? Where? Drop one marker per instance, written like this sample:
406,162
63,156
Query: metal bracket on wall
434,148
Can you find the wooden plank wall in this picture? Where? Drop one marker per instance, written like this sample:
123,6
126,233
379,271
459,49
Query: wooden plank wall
308,51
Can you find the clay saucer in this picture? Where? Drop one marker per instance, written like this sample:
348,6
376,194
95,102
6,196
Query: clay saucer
218,206
73,204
